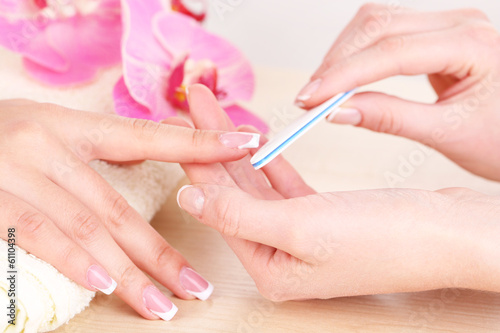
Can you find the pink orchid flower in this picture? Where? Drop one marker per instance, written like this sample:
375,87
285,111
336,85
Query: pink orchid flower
164,52
62,42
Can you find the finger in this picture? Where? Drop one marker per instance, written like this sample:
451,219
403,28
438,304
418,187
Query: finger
280,173
436,52
375,22
252,255
388,114
137,238
175,121
85,229
237,214
117,138
36,233
207,114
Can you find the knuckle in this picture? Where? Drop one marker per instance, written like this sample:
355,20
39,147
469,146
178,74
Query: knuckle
227,215
392,44
144,129
31,223
483,33
27,131
198,137
389,122
368,9
85,227
68,254
129,276
296,236
474,13
120,211
162,255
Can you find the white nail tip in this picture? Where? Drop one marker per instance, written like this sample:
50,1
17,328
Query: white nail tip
110,289
303,97
253,143
300,104
167,316
179,193
203,295
331,116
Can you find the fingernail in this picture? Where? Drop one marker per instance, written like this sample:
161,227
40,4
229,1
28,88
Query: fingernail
346,116
158,303
300,104
195,284
240,140
307,92
100,279
193,199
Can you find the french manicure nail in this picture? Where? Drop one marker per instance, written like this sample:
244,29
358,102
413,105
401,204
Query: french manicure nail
307,92
100,279
193,199
158,303
240,140
300,104
195,284
346,116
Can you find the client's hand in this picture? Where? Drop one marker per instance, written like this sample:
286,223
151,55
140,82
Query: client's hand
298,244
67,215
459,50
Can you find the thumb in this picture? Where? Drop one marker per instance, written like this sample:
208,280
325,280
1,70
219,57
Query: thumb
388,114
235,213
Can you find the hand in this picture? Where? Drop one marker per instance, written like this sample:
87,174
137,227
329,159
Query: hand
459,50
298,244
67,215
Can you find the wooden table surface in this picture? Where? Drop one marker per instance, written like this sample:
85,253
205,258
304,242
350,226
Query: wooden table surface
342,158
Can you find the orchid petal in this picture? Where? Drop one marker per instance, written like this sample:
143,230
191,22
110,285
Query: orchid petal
125,105
27,37
240,116
18,8
139,41
93,39
88,43
179,34
147,83
145,62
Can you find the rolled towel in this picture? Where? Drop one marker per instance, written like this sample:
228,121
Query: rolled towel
46,299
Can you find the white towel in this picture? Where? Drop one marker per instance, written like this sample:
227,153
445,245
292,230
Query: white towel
46,298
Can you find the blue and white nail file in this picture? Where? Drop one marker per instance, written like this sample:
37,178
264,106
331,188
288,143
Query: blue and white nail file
297,128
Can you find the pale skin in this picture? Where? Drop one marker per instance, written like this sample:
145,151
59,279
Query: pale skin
68,215
299,244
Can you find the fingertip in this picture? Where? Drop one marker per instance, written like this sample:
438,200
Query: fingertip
195,284
307,92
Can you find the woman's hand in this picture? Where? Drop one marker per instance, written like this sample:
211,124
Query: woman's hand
298,244
459,50
67,215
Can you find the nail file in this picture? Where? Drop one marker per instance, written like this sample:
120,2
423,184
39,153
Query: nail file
297,128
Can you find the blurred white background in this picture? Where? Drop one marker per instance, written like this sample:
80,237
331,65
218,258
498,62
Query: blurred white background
297,33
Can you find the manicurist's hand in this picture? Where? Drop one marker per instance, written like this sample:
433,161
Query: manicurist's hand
460,52
298,244
67,215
